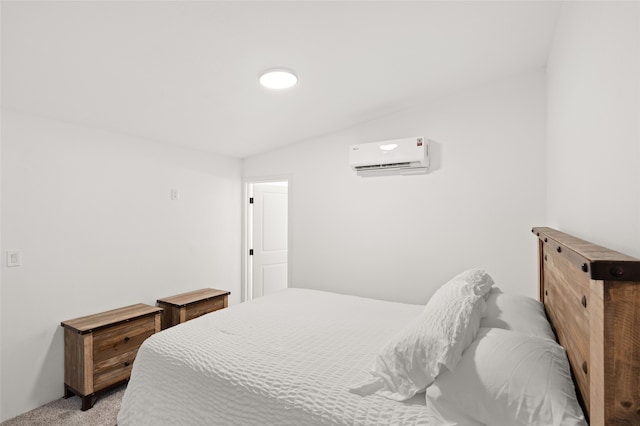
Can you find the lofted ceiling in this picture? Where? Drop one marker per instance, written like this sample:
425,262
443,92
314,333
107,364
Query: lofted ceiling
186,72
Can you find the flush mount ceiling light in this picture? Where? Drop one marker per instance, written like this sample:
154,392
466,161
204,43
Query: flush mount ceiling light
278,79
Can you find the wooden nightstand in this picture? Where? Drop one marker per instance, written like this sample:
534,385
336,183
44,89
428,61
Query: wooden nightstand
99,349
186,306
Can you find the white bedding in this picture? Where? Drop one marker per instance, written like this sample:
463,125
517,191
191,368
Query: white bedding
284,359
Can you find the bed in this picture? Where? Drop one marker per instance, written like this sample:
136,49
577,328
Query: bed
293,358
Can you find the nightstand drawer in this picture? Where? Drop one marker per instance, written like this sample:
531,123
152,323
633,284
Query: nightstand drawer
187,306
113,370
198,309
126,337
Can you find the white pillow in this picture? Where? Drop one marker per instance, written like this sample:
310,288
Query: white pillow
507,378
412,359
516,312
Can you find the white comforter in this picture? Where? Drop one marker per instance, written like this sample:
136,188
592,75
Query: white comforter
283,359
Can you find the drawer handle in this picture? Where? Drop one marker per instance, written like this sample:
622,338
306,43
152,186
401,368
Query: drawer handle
126,339
127,363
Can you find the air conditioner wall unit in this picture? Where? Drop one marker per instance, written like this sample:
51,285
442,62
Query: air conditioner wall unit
398,156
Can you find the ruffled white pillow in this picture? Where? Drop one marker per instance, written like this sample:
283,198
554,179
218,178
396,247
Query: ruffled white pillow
507,378
471,282
410,361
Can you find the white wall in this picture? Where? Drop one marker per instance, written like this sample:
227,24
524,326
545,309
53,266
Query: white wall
92,214
593,139
400,237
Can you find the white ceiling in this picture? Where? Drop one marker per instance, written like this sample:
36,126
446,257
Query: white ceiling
186,72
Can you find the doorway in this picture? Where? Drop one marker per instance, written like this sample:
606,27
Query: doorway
266,254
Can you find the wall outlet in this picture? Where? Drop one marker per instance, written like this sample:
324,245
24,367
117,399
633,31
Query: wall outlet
14,258
174,194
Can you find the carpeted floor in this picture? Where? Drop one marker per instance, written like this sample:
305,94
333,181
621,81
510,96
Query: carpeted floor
67,412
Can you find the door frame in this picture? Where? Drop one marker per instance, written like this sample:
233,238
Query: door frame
247,185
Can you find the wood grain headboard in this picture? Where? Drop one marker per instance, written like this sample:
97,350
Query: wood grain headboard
592,298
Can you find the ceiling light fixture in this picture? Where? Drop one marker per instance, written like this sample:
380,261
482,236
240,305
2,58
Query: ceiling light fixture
278,79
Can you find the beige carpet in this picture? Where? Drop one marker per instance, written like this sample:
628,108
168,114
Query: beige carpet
67,412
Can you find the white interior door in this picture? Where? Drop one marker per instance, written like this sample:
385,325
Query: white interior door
270,237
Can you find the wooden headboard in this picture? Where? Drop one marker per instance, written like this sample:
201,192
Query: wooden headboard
592,298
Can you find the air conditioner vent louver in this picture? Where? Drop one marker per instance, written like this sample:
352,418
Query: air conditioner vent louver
399,156
385,166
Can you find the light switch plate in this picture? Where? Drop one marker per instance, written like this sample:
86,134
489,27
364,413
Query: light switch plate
14,258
